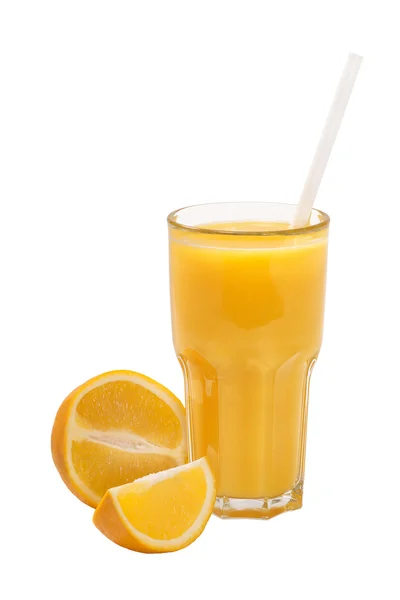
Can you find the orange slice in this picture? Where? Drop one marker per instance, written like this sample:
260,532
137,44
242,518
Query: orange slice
159,513
115,428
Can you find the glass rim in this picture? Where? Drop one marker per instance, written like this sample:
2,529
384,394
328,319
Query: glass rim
172,221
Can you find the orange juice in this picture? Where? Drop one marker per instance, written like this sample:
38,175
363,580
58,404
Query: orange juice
247,311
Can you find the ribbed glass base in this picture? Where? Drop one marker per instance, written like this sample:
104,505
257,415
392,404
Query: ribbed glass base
259,508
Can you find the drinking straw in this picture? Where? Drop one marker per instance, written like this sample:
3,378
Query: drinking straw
327,140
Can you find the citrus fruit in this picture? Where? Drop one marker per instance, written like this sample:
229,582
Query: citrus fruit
162,512
115,428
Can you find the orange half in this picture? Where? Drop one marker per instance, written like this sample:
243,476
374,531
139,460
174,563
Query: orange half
115,428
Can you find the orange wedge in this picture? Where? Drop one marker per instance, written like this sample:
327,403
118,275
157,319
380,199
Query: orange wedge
115,428
163,512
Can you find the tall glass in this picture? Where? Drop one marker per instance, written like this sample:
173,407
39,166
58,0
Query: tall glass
247,300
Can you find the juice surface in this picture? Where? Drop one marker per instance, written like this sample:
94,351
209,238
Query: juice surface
247,314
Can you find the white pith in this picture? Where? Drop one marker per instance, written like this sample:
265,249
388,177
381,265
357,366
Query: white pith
121,440
205,512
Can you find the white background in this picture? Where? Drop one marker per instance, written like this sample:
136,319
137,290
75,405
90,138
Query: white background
112,115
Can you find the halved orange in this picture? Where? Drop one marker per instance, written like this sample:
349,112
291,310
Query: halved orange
163,512
115,428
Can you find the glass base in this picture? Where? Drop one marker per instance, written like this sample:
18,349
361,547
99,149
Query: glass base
259,508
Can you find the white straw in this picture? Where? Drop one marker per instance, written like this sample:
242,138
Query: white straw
327,140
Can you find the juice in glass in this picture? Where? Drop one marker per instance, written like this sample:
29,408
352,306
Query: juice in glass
247,299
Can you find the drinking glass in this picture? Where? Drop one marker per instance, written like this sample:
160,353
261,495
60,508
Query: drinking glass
247,301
